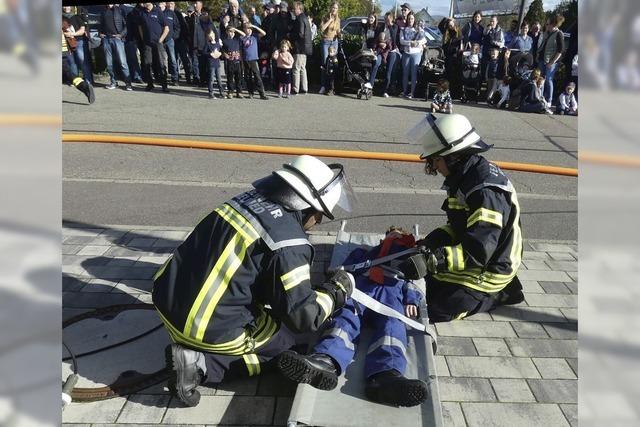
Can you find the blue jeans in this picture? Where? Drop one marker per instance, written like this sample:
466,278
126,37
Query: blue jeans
195,63
326,44
131,48
182,56
109,44
410,63
214,72
548,80
392,58
374,70
170,47
82,59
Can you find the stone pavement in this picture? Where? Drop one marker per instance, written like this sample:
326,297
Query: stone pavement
514,367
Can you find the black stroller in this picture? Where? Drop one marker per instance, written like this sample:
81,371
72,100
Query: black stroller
358,67
432,66
471,76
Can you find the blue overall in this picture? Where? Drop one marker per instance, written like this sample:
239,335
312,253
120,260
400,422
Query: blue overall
388,345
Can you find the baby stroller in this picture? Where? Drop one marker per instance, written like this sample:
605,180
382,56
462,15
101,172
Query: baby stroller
358,67
520,76
432,66
471,76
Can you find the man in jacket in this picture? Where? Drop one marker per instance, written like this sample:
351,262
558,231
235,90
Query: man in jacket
169,43
133,42
113,30
154,30
303,47
182,43
250,252
493,38
472,261
198,41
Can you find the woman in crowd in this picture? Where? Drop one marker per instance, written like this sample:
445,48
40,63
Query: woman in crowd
412,40
391,32
330,32
382,48
550,50
522,44
370,31
452,46
473,31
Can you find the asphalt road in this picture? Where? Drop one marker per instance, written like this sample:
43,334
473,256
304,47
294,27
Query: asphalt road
136,185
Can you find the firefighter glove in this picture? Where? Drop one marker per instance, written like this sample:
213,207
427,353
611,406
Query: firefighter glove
417,266
339,287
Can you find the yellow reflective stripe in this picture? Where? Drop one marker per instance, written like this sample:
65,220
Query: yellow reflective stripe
516,246
253,364
295,277
224,284
238,222
326,302
461,315
486,215
455,257
76,81
455,204
478,282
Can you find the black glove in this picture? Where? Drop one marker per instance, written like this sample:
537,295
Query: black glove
417,266
338,287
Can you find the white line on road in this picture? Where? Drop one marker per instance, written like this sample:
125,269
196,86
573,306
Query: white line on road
244,185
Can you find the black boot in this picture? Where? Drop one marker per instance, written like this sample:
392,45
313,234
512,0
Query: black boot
86,88
184,374
391,388
511,294
317,370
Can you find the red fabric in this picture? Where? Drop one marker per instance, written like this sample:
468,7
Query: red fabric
376,274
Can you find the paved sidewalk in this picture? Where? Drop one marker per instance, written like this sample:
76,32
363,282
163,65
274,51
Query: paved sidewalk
514,367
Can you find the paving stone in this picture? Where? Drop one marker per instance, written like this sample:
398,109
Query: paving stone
544,275
91,250
491,347
94,299
562,331
555,391
513,415
84,260
238,387
123,261
491,367
274,384
78,240
573,275
455,346
124,272
99,285
141,242
571,412
452,415
455,389
442,369
535,265
529,330
562,256
463,328
478,317
73,231
512,390
133,286
552,300
563,265
552,247
554,368
527,314
573,362
71,249
571,314
72,283
524,347
531,255
531,287
283,409
76,425
554,288
573,287
144,408
223,410
144,261
118,251
104,411
113,233
167,242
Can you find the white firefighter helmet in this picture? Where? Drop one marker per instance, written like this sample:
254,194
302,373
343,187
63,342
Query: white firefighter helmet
446,135
308,182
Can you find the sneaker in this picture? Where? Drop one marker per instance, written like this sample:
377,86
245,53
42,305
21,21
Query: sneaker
238,96
409,96
548,111
329,92
317,370
368,85
322,90
128,88
111,86
228,96
185,375
138,80
386,95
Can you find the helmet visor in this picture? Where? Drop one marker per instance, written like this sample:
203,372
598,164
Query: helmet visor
421,132
348,197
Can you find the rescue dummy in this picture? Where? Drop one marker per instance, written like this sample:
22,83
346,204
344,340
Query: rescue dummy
386,361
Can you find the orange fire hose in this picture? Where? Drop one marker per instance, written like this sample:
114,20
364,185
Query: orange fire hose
319,152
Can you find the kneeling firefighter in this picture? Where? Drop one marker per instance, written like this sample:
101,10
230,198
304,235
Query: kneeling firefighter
250,252
471,262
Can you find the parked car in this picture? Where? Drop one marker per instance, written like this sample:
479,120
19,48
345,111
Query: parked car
353,24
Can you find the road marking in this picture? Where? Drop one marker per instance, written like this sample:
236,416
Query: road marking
245,185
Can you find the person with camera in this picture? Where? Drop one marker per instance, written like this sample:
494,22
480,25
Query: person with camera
470,263
237,290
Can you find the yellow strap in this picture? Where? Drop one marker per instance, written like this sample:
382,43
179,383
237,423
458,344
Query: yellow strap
296,276
486,215
449,230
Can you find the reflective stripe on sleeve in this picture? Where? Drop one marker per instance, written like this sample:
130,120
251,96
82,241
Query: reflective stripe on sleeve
295,277
253,364
454,204
455,257
486,215
326,302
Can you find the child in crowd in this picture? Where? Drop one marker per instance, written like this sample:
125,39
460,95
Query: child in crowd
567,103
250,54
442,102
331,70
475,56
495,70
501,95
213,52
284,64
533,100
231,51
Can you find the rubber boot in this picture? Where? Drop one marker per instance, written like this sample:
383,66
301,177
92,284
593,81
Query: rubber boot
186,370
391,388
317,370
86,88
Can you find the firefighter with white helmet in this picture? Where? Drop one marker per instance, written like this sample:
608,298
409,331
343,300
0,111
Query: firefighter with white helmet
249,253
471,262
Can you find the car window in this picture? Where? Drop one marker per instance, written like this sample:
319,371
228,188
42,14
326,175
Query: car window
354,28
